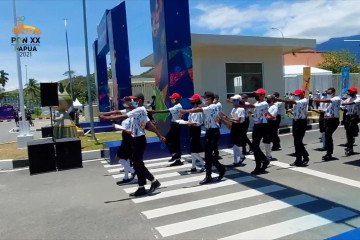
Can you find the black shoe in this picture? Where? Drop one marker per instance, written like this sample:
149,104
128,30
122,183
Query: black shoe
327,157
154,186
123,181
296,164
276,148
221,174
172,159
138,192
193,170
206,180
349,152
305,161
219,158
292,154
256,171
250,152
265,165
176,163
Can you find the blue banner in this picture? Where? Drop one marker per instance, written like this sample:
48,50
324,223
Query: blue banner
103,40
6,112
345,80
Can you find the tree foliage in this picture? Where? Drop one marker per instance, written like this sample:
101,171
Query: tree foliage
335,60
32,92
67,73
80,87
3,78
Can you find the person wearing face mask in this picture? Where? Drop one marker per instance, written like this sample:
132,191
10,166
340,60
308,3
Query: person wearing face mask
139,120
351,119
332,115
173,136
212,136
244,137
260,130
235,123
299,112
280,112
219,106
321,110
195,120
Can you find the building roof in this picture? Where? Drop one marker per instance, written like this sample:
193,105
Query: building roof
298,70
211,40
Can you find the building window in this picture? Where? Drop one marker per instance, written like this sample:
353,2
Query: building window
243,78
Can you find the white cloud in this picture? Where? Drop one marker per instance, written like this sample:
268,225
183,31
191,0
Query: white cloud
318,19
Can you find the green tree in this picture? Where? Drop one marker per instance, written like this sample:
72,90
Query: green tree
80,87
335,60
32,92
67,73
3,78
61,87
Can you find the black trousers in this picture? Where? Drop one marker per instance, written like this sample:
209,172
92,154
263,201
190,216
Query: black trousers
244,139
299,129
351,128
212,137
195,141
331,125
260,131
275,132
322,122
138,148
173,140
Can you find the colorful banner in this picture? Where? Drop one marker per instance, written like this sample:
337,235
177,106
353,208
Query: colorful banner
306,80
345,80
6,112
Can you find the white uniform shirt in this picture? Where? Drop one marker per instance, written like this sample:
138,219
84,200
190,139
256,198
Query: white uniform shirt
197,118
300,109
352,109
238,113
247,110
281,108
175,112
219,106
210,114
260,109
323,106
126,123
333,110
273,110
138,118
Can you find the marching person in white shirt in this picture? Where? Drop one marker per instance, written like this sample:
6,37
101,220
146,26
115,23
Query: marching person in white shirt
299,126
212,136
260,130
219,106
173,140
280,112
273,124
139,120
321,110
244,137
351,119
235,123
332,115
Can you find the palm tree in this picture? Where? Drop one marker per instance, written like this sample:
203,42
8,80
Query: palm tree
3,77
32,90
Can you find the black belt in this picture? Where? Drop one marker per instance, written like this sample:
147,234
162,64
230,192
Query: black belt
299,119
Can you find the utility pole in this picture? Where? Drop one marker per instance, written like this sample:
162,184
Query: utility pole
68,57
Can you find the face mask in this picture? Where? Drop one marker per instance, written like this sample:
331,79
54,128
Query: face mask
236,101
329,95
352,94
134,104
296,98
203,101
323,94
257,98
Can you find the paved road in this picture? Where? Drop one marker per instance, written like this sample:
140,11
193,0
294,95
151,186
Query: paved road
9,136
316,202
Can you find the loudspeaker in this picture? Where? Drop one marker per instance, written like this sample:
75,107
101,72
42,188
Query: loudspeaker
47,132
49,94
68,153
41,156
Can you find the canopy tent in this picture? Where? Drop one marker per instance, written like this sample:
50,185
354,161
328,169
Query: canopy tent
77,104
293,74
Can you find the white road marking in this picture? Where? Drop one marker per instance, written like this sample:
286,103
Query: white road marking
233,215
296,225
183,207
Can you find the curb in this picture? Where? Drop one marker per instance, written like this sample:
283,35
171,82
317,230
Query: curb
97,154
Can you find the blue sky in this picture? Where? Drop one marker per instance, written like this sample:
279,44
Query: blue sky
318,19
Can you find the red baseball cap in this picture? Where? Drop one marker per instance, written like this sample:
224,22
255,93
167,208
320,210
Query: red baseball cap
260,91
175,96
195,97
353,89
298,91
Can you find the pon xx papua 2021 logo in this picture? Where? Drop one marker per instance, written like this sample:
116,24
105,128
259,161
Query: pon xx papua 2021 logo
25,45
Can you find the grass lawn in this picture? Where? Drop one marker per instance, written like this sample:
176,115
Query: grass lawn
10,150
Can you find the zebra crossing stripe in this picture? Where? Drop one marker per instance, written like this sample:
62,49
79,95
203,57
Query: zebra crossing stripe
147,165
156,170
165,211
160,176
200,188
233,215
181,181
296,225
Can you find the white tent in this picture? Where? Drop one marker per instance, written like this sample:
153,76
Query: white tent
320,79
77,104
